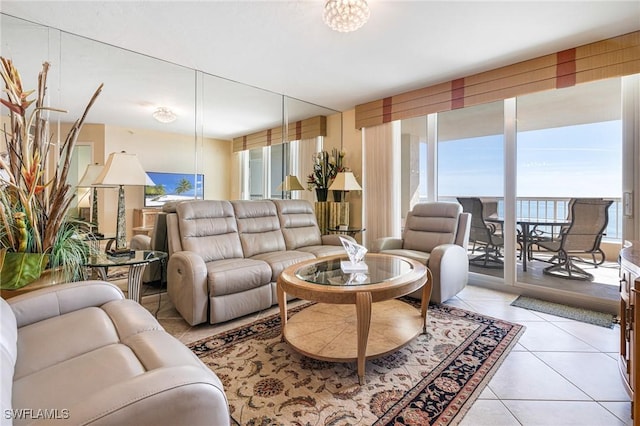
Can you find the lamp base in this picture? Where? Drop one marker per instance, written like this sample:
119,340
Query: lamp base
124,252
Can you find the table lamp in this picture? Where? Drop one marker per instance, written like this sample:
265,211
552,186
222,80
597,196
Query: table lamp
345,181
290,183
122,169
339,211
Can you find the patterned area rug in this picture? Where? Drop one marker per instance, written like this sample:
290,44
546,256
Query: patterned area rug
431,381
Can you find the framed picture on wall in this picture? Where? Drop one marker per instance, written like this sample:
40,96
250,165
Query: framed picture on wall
173,187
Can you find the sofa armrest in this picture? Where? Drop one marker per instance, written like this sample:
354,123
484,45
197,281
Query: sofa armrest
140,242
186,395
449,265
60,299
387,243
334,239
187,286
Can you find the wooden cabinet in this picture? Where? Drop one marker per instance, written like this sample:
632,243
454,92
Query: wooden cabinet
629,322
145,218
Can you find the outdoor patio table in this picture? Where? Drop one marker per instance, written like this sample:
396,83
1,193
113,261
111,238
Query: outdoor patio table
527,224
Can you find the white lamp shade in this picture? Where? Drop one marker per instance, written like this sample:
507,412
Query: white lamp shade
123,169
90,175
345,181
290,183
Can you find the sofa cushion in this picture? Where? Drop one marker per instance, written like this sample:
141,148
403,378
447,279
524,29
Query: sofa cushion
298,223
259,227
324,250
208,228
91,329
429,225
67,382
279,260
236,275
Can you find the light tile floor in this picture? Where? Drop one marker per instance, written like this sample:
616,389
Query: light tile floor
561,372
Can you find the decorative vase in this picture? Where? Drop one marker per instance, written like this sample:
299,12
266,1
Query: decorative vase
19,269
47,278
321,194
337,196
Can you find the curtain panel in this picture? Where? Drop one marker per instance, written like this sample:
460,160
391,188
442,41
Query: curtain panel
381,190
306,149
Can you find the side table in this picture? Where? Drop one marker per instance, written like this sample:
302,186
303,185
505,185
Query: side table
137,260
349,231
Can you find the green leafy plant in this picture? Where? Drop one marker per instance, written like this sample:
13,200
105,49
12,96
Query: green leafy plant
36,197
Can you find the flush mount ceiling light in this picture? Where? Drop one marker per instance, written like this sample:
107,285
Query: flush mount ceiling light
164,115
345,15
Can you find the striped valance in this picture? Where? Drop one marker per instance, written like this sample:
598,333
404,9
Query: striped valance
303,129
609,58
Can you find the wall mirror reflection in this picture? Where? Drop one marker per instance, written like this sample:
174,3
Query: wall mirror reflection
150,107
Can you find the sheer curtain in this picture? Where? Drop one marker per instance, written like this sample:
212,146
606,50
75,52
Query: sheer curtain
381,177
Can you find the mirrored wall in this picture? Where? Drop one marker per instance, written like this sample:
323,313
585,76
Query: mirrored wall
209,111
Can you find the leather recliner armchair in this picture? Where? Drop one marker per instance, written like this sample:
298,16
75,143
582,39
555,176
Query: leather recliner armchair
436,234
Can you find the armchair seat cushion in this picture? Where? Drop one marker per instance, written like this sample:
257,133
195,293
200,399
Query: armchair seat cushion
279,260
420,256
229,276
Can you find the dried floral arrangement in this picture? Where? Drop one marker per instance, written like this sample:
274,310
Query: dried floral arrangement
35,197
325,168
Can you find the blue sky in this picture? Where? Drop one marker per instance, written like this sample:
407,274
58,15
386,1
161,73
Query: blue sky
574,161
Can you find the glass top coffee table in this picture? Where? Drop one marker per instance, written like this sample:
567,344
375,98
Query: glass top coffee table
137,260
358,316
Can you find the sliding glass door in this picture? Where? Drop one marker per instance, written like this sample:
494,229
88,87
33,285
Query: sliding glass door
470,170
569,146
516,165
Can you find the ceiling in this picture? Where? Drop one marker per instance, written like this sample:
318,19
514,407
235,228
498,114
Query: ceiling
285,48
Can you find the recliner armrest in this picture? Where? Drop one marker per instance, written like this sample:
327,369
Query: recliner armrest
449,264
187,286
140,242
386,243
60,299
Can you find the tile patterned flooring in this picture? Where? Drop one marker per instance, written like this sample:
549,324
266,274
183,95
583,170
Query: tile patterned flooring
561,372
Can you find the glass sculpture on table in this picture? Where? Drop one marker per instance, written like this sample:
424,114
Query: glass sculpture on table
356,254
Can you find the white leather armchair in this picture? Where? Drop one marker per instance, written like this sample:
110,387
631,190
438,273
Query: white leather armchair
436,234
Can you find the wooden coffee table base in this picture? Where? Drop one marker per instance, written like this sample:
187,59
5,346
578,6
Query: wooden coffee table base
329,332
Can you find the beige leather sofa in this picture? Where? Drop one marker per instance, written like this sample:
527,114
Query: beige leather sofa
81,354
225,256
436,234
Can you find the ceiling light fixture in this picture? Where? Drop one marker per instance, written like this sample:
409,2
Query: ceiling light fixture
345,15
164,115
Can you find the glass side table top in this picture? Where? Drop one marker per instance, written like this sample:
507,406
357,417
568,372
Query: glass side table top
135,257
380,269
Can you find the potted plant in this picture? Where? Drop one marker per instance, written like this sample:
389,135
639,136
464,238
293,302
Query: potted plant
36,231
325,169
